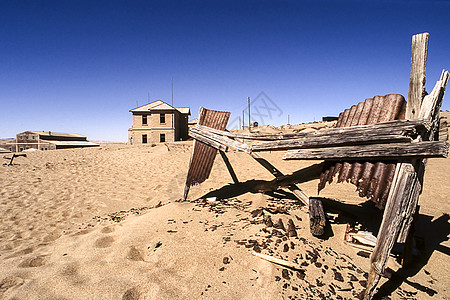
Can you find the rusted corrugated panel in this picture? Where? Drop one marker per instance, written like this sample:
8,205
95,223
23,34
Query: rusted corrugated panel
202,158
372,179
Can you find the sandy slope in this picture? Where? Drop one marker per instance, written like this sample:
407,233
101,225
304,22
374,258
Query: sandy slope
85,224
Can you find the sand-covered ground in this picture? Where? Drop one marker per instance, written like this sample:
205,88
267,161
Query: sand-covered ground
108,223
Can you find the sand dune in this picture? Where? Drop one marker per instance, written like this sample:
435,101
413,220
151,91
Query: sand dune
107,223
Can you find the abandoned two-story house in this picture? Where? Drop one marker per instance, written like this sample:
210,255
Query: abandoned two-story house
158,122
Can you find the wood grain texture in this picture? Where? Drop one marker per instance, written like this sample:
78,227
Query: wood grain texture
394,151
416,90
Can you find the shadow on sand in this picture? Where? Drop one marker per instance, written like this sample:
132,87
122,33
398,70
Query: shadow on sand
434,231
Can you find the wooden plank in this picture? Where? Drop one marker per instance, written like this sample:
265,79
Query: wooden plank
222,140
208,141
393,217
390,127
416,90
347,138
394,151
302,196
306,174
229,167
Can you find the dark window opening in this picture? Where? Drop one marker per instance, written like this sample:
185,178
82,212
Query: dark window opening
162,137
162,118
144,120
144,139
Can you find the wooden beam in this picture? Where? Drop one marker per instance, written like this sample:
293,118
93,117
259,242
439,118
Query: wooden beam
401,127
416,90
302,196
343,139
208,141
303,175
229,167
221,139
402,191
395,151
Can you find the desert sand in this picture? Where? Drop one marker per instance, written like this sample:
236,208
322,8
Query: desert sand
109,223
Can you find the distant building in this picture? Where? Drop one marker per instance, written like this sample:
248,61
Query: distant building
158,122
328,119
48,140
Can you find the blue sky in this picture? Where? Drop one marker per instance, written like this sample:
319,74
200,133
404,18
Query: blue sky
80,66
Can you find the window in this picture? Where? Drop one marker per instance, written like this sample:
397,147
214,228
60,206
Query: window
144,139
144,120
162,137
162,118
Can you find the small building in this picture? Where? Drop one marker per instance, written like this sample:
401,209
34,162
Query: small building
158,122
48,140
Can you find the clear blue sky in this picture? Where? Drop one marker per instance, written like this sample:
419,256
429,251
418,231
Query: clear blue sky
80,66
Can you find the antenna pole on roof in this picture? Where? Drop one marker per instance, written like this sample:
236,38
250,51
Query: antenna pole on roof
148,97
173,112
249,118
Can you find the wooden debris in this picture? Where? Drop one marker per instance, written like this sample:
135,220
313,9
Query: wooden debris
11,159
202,131
278,261
291,231
316,217
277,173
398,131
229,167
394,151
280,225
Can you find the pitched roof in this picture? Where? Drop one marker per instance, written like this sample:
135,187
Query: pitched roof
73,143
51,133
160,105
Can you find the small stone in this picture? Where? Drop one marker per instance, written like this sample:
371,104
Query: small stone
285,274
257,249
280,225
268,221
338,276
226,260
301,275
285,248
222,269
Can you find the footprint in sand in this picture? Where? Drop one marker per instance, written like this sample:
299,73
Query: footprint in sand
104,242
10,282
135,254
71,272
107,229
131,294
37,261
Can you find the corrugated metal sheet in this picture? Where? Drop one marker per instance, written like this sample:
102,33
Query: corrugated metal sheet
372,179
202,158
